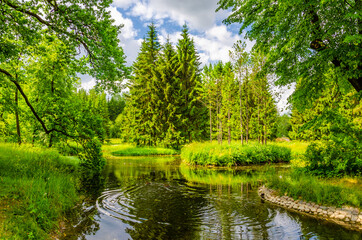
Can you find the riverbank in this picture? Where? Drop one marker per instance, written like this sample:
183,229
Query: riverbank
234,154
114,148
38,186
349,217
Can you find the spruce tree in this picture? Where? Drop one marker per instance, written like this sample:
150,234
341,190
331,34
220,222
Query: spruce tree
191,109
168,92
142,97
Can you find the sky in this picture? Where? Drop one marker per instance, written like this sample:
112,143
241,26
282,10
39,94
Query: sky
212,38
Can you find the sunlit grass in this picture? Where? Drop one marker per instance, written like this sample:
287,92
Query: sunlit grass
333,192
126,149
207,153
37,187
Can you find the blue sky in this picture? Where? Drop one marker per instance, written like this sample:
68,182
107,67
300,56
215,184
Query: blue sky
212,38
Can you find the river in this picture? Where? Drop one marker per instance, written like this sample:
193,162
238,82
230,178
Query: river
159,198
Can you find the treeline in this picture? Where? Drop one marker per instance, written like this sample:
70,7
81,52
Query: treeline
239,100
171,101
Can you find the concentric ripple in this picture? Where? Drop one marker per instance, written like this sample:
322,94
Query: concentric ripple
152,199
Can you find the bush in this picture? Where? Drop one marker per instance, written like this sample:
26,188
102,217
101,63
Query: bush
331,159
234,154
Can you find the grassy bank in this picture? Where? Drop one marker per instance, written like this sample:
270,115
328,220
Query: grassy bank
37,187
233,154
330,192
132,150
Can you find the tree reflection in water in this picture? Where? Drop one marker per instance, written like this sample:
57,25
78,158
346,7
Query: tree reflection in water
156,198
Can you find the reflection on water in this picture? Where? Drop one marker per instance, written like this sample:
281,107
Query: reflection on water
156,198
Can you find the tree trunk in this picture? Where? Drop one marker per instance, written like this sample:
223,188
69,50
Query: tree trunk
220,125
259,121
229,128
265,122
217,120
246,108
17,116
241,115
210,112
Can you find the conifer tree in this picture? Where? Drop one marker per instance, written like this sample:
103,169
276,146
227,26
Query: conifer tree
141,95
191,109
168,97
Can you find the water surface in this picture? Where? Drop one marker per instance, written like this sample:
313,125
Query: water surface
157,198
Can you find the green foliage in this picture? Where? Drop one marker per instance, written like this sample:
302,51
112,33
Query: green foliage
334,158
162,107
283,126
234,154
39,186
75,23
42,69
68,148
91,157
303,39
239,100
303,186
115,106
192,113
141,98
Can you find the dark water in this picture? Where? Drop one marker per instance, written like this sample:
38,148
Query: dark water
156,198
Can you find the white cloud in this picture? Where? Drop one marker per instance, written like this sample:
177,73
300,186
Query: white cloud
125,4
198,14
213,45
127,31
87,82
129,42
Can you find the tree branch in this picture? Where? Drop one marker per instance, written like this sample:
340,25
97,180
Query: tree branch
53,27
42,123
12,79
318,45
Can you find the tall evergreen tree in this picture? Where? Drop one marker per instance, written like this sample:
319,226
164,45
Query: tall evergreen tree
188,72
168,93
141,86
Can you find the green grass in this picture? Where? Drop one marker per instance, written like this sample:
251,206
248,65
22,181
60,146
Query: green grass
233,154
38,186
298,149
329,192
132,150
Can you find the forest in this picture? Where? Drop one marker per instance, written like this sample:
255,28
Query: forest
168,102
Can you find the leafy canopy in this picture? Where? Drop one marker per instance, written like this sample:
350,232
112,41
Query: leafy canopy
303,38
83,25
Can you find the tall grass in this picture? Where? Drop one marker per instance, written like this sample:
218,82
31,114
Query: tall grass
38,186
322,191
234,154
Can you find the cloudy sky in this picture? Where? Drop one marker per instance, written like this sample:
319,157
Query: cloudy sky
212,38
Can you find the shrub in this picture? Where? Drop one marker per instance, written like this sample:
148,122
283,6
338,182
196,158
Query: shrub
331,159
